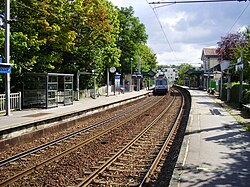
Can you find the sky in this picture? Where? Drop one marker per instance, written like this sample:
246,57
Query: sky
177,33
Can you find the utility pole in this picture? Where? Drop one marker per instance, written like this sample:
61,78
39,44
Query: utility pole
241,76
7,55
139,74
131,72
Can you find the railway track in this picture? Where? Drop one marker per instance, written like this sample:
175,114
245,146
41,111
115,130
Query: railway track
37,152
135,163
119,151
70,135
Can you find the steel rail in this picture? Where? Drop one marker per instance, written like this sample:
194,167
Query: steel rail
58,140
69,150
102,168
168,140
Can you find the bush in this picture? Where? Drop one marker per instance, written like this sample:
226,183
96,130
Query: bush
246,97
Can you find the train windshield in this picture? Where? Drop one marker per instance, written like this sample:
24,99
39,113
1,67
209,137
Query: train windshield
161,82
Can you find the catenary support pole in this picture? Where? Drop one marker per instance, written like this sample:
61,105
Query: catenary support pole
241,77
7,55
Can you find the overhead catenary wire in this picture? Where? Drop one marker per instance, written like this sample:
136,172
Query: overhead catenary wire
238,18
164,33
194,1
168,3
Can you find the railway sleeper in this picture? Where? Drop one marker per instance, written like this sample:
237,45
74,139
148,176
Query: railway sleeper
87,172
136,146
114,183
132,151
145,165
35,155
146,160
117,176
126,170
146,148
24,159
119,164
95,167
122,159
150,157
80,179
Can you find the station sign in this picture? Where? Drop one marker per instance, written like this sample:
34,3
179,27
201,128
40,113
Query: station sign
5,68
239,67
239,60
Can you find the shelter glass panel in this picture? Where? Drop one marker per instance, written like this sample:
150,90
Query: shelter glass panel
34,90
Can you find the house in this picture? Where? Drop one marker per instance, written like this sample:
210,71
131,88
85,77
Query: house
210,60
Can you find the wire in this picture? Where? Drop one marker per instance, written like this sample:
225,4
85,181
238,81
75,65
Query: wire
164,5
238,18
156,15
198,1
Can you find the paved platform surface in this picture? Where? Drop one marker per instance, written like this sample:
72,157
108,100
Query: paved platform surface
216,148
24,117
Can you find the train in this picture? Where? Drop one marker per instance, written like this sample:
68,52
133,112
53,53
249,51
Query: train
161,85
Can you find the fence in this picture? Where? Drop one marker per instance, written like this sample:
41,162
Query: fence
15,101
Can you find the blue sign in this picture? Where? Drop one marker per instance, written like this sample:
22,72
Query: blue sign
5,68
117,77
1,60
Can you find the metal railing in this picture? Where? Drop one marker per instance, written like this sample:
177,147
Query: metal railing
15,101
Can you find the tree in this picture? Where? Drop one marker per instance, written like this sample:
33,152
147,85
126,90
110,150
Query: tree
228,44
132,35
97,25
245,50
66,36
182,73
63,36
231,47
148,58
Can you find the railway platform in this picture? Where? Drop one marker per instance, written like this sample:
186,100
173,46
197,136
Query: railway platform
216,148
20,122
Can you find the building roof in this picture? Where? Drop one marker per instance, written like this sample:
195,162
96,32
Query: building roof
209,51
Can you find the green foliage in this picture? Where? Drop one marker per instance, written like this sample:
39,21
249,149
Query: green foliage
182,72
132,39
246,97
232,46
245,50
148,58
66,36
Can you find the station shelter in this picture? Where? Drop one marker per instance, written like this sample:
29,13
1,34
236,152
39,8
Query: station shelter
47,90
